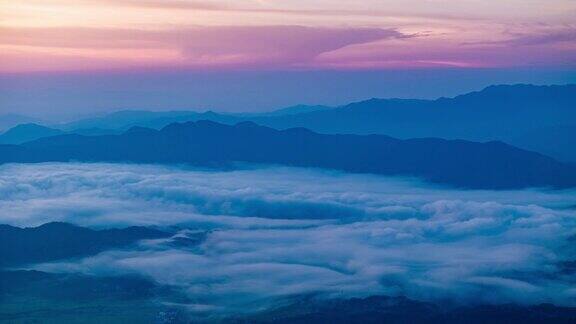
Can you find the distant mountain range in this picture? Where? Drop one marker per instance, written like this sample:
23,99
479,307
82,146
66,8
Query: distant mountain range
497,112
539,118
125,119
27,132
520,114
293,110
491,165
8,121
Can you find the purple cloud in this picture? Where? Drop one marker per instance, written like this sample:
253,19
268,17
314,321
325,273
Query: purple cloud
207,45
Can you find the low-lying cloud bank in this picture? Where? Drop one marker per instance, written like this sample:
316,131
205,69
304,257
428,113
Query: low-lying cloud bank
280,232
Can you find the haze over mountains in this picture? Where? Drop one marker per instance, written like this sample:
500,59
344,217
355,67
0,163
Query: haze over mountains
538,118
27,132
8,121
534,117
491,165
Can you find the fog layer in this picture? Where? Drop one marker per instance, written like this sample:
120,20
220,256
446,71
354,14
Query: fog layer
272,233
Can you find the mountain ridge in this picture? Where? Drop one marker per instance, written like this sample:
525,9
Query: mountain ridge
517,114
57,240
461,163
27,132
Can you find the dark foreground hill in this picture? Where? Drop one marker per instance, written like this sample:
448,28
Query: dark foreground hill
400,310
54,241
40,297
491,165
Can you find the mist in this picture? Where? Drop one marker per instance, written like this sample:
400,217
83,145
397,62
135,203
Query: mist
60,97
272,233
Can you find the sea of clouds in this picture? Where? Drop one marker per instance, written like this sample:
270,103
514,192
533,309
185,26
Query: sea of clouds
273,233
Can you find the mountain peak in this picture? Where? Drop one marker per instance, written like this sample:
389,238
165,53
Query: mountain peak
499,91
139,129
27,132
298,109
28,126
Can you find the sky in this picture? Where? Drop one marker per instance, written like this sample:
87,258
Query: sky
109,39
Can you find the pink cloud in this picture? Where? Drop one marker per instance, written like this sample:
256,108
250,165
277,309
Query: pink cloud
274,8
546,37
529,49
271,47
285,45
262,46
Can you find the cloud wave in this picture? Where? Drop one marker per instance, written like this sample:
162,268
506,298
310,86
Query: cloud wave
272,233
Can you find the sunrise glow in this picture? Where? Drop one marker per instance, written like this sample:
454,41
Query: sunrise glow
81,35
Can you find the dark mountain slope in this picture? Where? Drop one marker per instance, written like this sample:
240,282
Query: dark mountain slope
71,286
497,112
493,165
39,297
505,112
53,241
558,142
400,310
